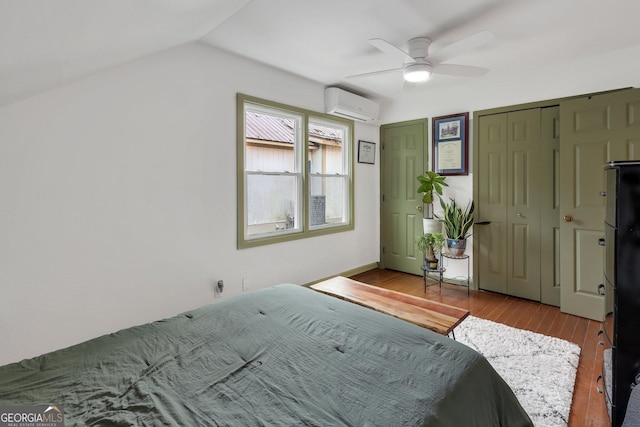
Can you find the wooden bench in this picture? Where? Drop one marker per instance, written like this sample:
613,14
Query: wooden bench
438,317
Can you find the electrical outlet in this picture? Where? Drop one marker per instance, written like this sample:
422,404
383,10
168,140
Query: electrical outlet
218,288
245,284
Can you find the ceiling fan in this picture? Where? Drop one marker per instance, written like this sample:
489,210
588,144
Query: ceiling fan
418,64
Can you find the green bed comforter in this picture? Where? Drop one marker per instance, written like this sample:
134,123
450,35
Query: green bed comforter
284,356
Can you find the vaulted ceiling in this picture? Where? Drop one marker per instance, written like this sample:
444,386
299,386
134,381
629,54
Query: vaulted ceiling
44,44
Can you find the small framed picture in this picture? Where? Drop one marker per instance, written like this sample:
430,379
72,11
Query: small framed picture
366,152
450,144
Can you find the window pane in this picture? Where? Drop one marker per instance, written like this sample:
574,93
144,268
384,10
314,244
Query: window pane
328,201
326,148
272,203
270,142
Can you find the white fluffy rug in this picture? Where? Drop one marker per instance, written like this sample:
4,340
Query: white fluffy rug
541,370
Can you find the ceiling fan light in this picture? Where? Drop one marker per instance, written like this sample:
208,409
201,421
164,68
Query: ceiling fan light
416,72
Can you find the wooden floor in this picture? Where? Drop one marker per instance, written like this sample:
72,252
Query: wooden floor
587,408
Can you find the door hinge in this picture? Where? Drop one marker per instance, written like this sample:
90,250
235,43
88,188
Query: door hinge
383,250
383,197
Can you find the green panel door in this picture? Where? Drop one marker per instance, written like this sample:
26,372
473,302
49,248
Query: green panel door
490,231
507,234
523,203
550,206
403,159
594,130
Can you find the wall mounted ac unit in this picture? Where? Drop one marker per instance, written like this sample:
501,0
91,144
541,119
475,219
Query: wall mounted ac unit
341,103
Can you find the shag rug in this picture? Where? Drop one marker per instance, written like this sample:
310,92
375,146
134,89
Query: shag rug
541,370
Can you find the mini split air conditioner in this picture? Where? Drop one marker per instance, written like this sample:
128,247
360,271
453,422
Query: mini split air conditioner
349,105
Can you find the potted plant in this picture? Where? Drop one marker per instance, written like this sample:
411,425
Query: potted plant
431,182
430,244
457,222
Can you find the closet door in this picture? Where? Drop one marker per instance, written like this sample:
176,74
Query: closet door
509,177
523,203
490,232
550,207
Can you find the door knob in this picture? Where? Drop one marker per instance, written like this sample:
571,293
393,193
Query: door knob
567,218
419,207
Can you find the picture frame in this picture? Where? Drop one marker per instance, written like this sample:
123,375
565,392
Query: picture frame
366,152
450,138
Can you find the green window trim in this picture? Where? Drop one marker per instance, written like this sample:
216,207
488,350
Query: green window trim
304,228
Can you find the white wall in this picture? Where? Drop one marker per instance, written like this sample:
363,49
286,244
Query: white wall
119,199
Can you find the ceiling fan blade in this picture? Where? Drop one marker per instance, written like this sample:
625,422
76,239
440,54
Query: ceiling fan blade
390,49
459,70
461,46
374,73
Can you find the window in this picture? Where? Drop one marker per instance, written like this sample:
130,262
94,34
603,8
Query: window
329,174
295,173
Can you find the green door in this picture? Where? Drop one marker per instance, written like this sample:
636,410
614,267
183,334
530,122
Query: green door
523,203
490,230
508,228
594,130
403,159
550,206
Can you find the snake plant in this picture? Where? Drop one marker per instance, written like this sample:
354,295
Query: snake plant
457,221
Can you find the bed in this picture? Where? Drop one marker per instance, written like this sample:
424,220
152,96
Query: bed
283,356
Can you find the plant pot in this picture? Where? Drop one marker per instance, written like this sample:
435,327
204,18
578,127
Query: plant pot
432,264
431,225
456,246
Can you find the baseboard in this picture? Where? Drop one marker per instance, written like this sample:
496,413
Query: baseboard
359,270
347,273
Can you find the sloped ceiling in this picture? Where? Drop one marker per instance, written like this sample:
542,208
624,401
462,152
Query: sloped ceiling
44,44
